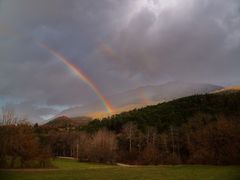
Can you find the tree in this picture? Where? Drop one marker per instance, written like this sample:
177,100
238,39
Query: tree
103,146
84,145
150,154
129,131
216,143
20,142
8,115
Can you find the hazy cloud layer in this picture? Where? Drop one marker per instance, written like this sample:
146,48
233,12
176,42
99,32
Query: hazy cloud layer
193,40
120,44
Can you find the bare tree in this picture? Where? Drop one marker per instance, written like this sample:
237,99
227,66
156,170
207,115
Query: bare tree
83,146
129,130
8,115
104,146
151,135
172,139
164,142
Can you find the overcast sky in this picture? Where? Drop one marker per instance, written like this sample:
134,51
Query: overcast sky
120,44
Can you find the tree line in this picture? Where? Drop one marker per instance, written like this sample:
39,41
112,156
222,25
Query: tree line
200,141
20,146
201,129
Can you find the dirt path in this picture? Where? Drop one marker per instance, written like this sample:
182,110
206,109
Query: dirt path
126,165
64,157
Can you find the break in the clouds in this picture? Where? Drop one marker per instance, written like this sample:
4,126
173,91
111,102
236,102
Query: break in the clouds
120,44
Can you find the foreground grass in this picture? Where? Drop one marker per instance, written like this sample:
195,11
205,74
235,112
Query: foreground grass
70,169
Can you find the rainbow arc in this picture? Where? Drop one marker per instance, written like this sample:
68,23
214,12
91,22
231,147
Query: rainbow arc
80,73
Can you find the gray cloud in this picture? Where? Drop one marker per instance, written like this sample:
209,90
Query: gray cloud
194,42
35,113
120,44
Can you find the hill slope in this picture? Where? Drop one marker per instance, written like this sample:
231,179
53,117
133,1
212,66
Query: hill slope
64,121
175,113
228,89
141,97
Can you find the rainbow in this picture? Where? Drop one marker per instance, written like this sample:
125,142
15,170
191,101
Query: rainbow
145,99
78,72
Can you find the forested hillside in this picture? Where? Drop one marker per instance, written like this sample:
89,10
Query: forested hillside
174,113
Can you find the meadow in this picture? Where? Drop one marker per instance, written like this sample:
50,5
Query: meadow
71,169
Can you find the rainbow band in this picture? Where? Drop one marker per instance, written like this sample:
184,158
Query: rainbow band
78,72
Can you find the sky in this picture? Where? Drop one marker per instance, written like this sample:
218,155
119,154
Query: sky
118,44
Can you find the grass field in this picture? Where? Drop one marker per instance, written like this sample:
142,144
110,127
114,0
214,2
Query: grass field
70,169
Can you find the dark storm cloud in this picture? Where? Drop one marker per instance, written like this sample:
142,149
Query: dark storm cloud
120,44
197,40
32,74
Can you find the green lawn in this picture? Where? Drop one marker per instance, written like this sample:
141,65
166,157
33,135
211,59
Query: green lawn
69,169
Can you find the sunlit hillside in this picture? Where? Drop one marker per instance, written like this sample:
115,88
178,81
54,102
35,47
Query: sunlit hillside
228,89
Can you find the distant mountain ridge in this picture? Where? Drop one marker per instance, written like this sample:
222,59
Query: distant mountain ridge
64,121
143,96
228,89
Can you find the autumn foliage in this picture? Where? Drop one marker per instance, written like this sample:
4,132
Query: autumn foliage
201,129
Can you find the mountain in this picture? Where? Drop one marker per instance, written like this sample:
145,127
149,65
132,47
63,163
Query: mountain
64,121
142,96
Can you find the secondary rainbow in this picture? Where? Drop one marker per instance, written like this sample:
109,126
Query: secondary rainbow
78,72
